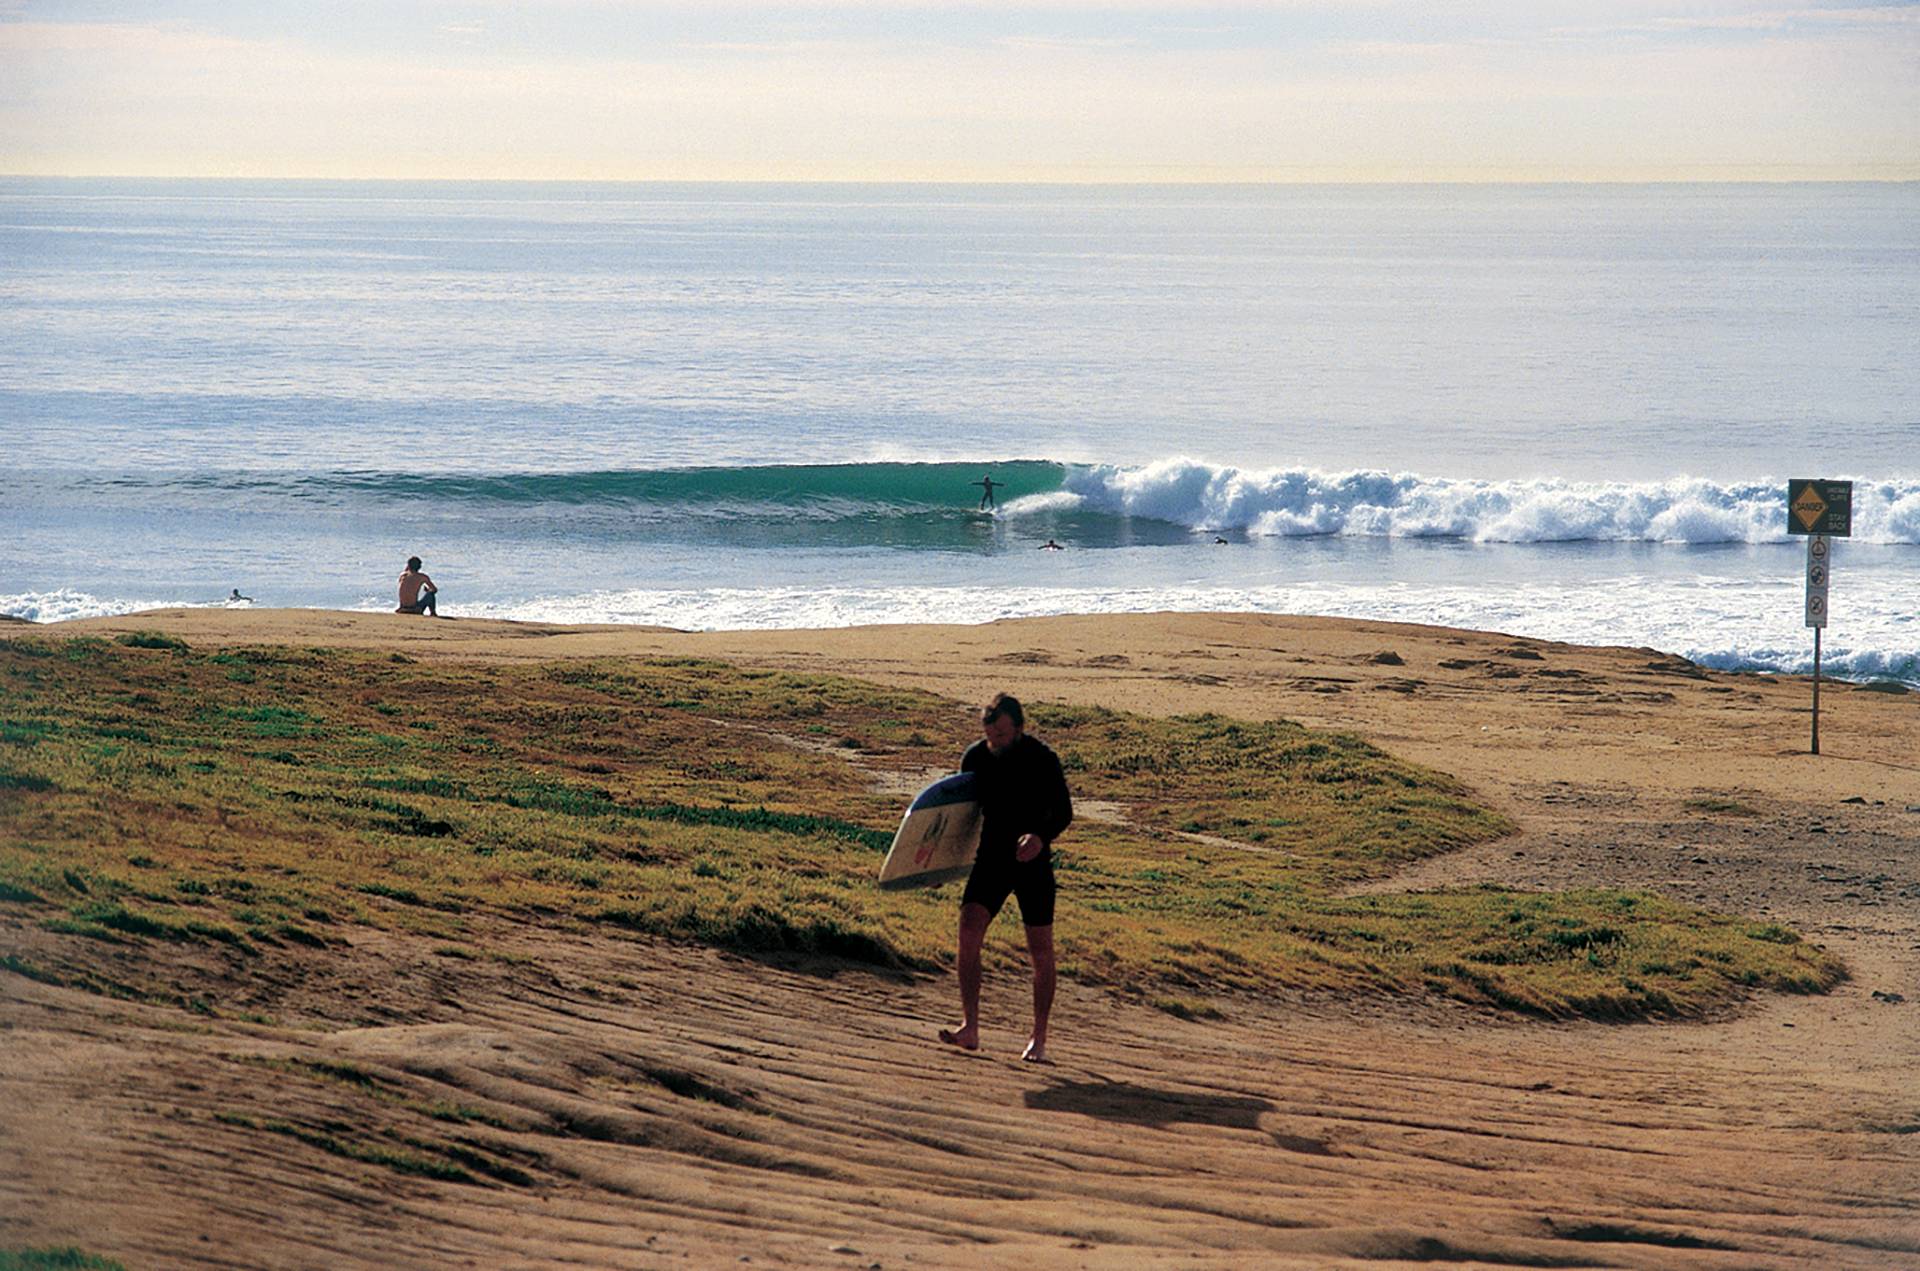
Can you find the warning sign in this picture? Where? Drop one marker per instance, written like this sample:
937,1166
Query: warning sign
1820,507
1819,577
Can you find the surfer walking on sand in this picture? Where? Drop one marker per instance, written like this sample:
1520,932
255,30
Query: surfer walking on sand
1024,806
986,484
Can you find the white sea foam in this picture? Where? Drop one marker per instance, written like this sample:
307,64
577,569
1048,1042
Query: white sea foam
1293,502
1729,624
65,605
1733,627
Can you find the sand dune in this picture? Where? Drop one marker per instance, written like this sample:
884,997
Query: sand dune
644,1104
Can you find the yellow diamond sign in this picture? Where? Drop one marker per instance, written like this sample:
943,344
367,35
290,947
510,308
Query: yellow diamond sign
1809,507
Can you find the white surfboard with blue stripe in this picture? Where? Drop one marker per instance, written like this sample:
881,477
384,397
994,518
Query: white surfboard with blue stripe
937,836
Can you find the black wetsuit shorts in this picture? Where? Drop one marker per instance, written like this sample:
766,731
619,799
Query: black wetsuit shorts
997,876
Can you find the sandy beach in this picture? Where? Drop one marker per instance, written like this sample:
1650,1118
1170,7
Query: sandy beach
726,1111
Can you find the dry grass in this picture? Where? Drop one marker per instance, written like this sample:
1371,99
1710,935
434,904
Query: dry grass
241,800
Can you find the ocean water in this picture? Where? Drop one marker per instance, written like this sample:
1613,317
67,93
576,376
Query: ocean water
1562,411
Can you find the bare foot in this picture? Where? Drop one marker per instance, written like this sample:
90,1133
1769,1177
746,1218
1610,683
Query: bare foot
966,1037
1035,1053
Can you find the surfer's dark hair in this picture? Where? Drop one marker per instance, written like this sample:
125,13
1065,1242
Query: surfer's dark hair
413,562
1004,705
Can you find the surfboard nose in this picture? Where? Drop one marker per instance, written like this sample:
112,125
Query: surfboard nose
937,837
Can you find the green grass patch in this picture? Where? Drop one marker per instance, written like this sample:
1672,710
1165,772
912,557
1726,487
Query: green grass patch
33,971
398,1159
26,732
762,820
88,981
437,787
151,640
347,1074
458,1114
465,1157
755,927
278,722
112,916
74,927
404,895
659,796
52,1258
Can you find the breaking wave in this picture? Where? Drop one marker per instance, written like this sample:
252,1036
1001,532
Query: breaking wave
1300,502
938,504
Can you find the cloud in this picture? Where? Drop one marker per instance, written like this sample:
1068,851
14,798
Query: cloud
167,99
1763,20
1068,43
37,39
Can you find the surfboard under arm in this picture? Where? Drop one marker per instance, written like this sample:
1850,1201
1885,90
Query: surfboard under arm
937,837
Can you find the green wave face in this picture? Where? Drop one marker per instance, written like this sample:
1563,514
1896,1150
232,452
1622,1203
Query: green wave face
806,491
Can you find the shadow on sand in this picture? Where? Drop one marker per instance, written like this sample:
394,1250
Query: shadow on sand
1144,1105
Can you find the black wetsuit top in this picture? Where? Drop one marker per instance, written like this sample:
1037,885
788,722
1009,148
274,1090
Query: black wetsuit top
1022,791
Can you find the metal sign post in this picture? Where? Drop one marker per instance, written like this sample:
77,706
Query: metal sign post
1823,511
1819,554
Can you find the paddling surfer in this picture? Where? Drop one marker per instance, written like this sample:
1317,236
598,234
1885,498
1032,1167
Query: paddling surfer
1025,805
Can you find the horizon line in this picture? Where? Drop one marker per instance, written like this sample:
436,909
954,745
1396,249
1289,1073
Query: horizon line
1745,177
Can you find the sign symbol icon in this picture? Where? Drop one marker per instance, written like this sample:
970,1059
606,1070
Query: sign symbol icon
1819,575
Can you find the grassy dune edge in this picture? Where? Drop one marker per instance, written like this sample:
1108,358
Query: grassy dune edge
54,1259
274,799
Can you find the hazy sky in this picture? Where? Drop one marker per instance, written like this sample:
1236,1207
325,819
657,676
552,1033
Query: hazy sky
899,89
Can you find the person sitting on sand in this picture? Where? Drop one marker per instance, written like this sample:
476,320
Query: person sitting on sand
417,591
1025,805
986,485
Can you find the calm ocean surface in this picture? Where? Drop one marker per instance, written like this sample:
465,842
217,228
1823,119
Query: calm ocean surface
1562,411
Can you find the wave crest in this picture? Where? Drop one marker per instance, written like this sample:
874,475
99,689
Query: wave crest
1300,502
